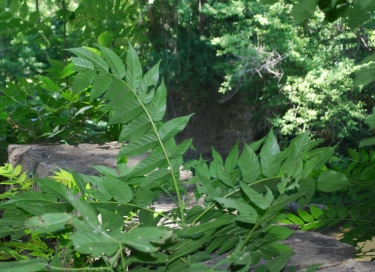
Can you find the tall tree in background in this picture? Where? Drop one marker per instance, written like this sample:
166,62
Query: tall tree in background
296,76
300,77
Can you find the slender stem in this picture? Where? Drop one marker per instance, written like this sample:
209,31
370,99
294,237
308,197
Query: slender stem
175,182
248,237
122,258
181,206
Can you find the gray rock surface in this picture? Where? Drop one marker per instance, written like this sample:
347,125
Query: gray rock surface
313,248
42,160
310,247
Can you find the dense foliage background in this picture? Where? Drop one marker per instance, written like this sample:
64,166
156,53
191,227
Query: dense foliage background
295,64
300,65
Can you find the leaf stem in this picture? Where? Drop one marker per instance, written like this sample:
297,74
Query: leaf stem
175,182
248,237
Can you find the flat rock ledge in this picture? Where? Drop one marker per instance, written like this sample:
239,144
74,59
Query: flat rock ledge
309,247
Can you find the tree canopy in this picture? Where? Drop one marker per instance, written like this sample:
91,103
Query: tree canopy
302,65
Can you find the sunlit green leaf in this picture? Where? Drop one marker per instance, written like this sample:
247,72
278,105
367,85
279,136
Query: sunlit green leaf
302,10
47,223
82,80
249,165
149,79
270,163
144,238
150,163
89,55
24,10
157,106
129,111
242,207
317,212
100,85
31,265
133,69
172,127
105,38
257,198
330,181
119,190
232,159
114,62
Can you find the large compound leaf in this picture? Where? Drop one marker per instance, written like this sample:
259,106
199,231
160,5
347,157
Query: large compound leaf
139,146
100,85
133,69
31,265
157,106
269,158
82,81
316,159
52,188
87,54
117,91
249,165
232,159
243,208
48,222
31,197
150,79
153,161
179,150
117,67
330,181
119,190
81,64
303,10
145,238
129,111
93,241
135,128
172,127
257,198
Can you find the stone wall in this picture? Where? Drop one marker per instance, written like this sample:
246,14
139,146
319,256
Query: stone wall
219,125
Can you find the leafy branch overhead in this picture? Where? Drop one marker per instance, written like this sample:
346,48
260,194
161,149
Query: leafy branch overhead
354,13
139,103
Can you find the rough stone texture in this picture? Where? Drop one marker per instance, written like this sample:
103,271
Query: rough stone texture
41,160
351,265
310,247
219,125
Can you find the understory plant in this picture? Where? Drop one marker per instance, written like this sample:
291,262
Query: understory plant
355,218
111,224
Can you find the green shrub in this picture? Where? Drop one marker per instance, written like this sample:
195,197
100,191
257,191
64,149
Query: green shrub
110,225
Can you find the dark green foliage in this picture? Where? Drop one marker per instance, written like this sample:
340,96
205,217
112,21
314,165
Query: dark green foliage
356,216
110,219
36,102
